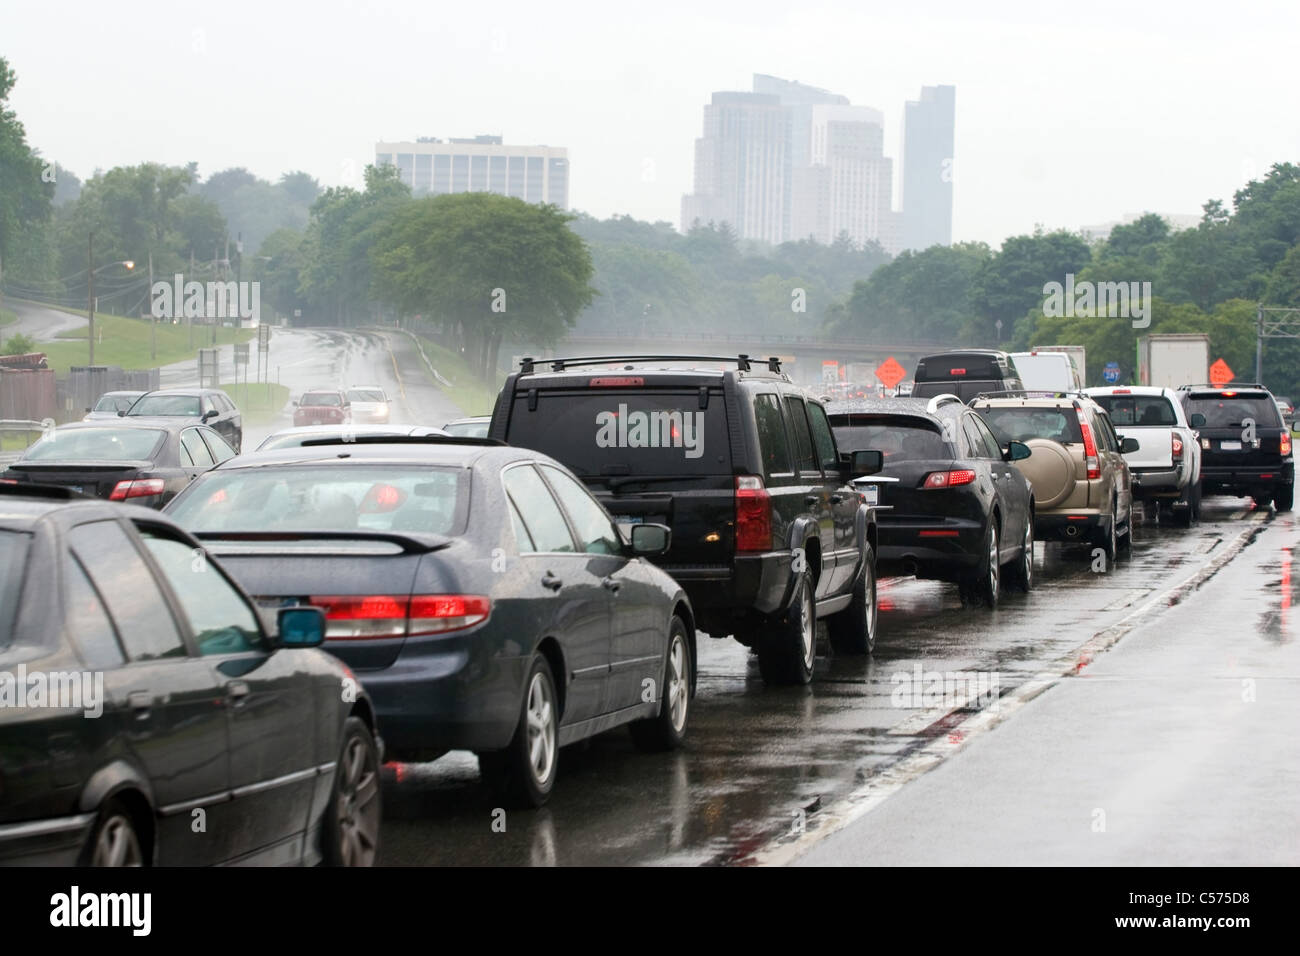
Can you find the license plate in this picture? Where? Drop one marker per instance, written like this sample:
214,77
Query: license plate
1230,445
872,494
273,603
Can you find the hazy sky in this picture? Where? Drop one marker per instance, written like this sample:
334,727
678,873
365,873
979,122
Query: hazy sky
1067,114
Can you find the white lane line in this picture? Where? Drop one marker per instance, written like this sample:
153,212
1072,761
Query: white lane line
861,801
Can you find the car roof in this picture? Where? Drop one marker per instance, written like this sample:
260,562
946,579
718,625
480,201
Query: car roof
444,453
183,391
162,423
909,407
1037,401
123,391
1147,390
20,508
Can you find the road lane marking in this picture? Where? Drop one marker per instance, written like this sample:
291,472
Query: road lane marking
883,784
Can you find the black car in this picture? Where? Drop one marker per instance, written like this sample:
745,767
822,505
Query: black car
768,535
1245,444
122,459
485,598
151,716
203,406
965,373
959,509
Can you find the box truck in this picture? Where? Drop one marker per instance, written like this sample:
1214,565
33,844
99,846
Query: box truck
1169,361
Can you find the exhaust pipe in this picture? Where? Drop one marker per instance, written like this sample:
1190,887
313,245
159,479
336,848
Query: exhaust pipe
909,566
1072,531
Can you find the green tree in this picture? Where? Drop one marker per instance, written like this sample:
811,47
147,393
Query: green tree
25,197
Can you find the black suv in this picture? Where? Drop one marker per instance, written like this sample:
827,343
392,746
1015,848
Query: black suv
966,374
1245,445
957,510
768,535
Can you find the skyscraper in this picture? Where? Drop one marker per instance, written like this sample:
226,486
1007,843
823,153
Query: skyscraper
927,167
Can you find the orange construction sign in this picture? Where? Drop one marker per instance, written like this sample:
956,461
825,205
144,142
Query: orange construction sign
1220,374
890,372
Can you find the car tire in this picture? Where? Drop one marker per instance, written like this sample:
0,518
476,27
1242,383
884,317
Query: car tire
984,584
524,773
1108,541
114,841
1125,541
1197,492
667,729
787,647
352,816
853,630
1021,574
1284,498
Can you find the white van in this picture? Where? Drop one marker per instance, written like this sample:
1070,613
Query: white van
1048,371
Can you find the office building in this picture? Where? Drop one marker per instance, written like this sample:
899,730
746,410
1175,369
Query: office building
928,126
434,167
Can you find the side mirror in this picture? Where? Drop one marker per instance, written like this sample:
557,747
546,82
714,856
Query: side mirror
88,411
120,413
301,626
1197,420
1127,445
865,462
651,540
210,413
295,403
1016,451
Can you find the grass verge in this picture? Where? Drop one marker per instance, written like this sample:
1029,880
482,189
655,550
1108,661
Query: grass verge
258,403
468,391
125,342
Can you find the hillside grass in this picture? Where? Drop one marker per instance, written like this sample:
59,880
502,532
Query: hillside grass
125,342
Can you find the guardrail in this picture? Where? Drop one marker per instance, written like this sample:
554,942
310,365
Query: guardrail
21,426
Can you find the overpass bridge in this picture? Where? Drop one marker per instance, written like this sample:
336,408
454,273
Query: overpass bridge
801,355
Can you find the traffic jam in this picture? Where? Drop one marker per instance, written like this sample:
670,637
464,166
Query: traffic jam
667,609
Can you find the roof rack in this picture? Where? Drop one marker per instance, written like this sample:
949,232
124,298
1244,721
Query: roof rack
1219,388
397,440
1034,393
947,398
743,361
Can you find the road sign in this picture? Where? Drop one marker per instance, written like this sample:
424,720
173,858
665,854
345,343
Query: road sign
241,353
830,371
890,372
1111,372
263,337
1220,373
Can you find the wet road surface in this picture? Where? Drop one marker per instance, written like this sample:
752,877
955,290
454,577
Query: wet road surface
773,775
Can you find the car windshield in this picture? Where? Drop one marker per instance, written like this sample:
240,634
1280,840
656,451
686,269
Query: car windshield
1023,424
13,551
897,439
97,444
114,403
321,398
187,405
1225,410
423,499
1138,409
366,395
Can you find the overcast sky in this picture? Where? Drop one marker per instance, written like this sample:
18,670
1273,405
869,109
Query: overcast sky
1067,114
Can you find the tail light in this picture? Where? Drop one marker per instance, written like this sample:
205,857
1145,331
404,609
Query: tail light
1286,443
1176,446
753,514
1089,449
362,617
136,488
948,479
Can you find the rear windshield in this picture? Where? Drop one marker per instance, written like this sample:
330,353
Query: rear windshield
366,395
963,390
605,433
13,550
114,403
167,405
388,497
1232,411
1138,409
467,429
898,439
954,367
1022,424
97,444
321,398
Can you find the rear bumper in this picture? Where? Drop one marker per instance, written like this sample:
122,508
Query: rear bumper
1243,479
1076,525
930,547
752,582
1152,482
54,842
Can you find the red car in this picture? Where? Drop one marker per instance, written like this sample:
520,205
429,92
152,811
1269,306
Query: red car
326,406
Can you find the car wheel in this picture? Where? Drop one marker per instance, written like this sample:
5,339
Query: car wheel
114,841
524,773
1107,541
788,646
1196,501
1125,541
985,584
1284,498
667,729
1022,572
853,630
352,817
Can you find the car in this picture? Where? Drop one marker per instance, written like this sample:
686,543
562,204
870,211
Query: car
965,373
1286,409
476,427
1047,369
1082,483
370,404
1245,445
144,461
294,437
322,406
486,600
179,726
769,536
109,404
1166,470
203,406
958,509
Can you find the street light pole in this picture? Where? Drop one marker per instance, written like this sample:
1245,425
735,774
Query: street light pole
90,292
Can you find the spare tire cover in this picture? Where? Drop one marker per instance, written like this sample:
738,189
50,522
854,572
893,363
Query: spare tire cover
1050,469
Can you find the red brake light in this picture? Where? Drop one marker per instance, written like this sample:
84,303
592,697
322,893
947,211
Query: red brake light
137,488
1089,449
381,498
956,371
365,617
1122,391
435,613
617,382
1228,394
948,479
1177,446
753,514
1286,443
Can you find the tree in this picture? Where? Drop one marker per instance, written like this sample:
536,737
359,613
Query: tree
484,266
25,196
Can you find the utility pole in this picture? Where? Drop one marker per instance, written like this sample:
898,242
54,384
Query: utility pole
90,293
1259,342
2,296
153,319
189,319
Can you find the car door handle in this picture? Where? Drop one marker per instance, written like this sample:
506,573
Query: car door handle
611,585
836,499
141,703
236,692
552,582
